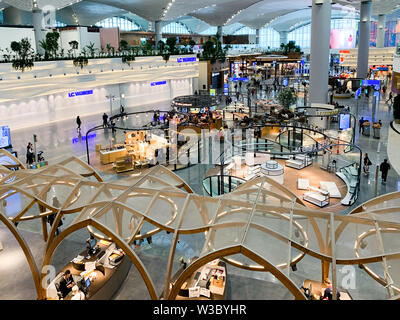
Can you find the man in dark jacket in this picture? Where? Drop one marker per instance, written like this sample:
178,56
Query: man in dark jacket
105,120
384,168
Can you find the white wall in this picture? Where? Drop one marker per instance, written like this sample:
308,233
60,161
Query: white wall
181,87
89,37
8,34
66,36
35,101
59,107
81,35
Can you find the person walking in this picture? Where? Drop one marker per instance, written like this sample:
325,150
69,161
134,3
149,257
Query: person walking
390,98
105,120
78,122
52,217
367,163
361,121
29,154
384,168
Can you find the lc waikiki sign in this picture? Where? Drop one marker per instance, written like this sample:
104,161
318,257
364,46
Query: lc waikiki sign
80,93
191,59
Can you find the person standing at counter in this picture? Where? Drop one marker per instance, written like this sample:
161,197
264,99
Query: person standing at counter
66,283
328,291
77,294
29,154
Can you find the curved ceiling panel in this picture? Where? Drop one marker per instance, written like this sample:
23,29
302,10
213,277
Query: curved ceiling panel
151,10
89,13
221,14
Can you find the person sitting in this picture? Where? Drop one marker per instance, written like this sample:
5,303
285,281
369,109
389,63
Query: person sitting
66,283
328,291
77,294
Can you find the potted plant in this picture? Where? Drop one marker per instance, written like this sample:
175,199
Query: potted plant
128,58
74,45
23,55
166,57
50,44
91,49
80,61
286,98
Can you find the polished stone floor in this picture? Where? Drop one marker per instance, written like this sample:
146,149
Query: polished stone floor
57,140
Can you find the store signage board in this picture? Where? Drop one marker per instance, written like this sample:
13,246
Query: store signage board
191,59
344,121
160,83
90,136
358,93
240,79
80,93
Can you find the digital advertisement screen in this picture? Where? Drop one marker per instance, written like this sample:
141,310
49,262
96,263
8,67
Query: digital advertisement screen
343,39
344,121
375,83
5,139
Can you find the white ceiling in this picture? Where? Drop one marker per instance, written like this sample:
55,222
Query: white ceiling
198,14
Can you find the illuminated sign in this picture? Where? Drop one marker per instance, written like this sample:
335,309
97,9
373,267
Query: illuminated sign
80,93
90,136
213,92
327,113
240,79
153,84
344,122
358,93
192,59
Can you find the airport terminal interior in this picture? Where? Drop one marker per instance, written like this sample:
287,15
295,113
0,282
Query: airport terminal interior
200,150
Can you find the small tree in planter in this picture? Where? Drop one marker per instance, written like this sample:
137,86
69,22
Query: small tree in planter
74,45
128,58
91,49
108,48
80,61
286,98
396,109
166,57
50,44
171,43
192,43
24,55
161,46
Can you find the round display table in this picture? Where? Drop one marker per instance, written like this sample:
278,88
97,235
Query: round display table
273,170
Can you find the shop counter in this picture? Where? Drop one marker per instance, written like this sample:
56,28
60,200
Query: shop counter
110,156
207,283
318,288
330,187
317,198
106,277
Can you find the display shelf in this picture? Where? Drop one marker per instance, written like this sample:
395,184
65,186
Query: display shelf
272,168
331,188
300,162
317,198
351,184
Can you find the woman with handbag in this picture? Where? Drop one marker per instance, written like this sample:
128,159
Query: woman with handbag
367,163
